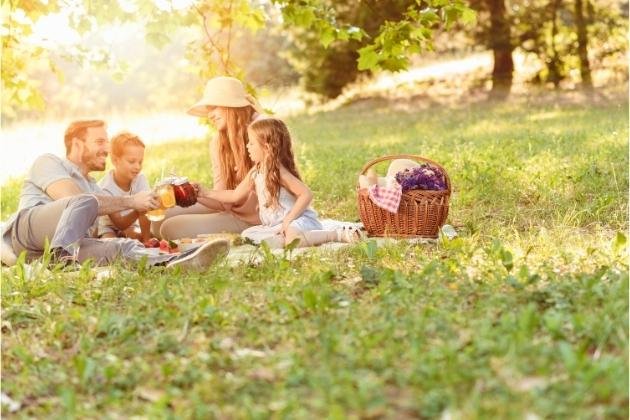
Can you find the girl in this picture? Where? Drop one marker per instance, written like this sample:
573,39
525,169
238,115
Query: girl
127,151
283,199
230,109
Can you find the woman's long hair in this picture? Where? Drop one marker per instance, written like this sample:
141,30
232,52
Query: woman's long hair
233,157
275,140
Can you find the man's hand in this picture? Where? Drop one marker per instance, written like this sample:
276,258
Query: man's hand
145,201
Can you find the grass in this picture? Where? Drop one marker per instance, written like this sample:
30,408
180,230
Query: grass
524,314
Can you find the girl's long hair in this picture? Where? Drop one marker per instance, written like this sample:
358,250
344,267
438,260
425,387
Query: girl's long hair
275,140
233,156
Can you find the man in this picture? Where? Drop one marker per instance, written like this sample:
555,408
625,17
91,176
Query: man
60,203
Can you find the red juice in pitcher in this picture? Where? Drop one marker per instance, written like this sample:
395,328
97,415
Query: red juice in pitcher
185,194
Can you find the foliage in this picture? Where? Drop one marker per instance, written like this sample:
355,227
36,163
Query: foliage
336,40
18,90
210,55
326,68
220,23
546,29
524,314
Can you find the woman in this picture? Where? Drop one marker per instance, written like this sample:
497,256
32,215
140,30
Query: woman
230,109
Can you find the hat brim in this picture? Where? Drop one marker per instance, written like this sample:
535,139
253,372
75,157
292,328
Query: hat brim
200,109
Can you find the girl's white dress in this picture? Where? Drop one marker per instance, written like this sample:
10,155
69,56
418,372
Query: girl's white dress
272,217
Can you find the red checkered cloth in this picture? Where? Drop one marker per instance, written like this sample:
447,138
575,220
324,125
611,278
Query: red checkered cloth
387,198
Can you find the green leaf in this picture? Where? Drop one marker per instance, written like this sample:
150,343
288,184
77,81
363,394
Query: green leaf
84,25
370,276
428,16
291,245
24,94
157,39
370,248
395,63
368,58
469,16
506,259
343,35
310,298
68,400
304,17
356,33
619,243
327,37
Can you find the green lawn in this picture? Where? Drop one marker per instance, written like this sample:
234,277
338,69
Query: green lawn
525,314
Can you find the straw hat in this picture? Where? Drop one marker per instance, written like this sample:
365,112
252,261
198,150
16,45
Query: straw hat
223,91
398,165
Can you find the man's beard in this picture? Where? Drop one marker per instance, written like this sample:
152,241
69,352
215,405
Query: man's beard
90,160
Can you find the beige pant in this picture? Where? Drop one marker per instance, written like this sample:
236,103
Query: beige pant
194,220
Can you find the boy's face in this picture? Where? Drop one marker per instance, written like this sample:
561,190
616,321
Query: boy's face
129,164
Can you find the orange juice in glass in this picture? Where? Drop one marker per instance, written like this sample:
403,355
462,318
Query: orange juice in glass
165,194
156,215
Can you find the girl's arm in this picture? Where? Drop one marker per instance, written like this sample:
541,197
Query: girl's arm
228,196
302,193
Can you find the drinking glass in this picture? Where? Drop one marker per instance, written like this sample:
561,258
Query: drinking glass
166,196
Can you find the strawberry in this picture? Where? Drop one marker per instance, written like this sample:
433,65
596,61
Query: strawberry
152,243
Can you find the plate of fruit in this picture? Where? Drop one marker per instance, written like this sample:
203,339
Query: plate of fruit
161,246
185,244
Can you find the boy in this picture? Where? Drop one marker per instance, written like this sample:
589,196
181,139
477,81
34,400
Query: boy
127,154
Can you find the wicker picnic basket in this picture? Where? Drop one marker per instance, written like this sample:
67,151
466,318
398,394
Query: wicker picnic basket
421,212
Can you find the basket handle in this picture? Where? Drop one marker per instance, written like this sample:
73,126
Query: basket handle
414,157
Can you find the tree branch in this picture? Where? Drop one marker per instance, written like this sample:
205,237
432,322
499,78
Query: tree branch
229,39
210,37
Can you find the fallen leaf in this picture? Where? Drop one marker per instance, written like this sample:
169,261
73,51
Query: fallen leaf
149,394
242,353
11,404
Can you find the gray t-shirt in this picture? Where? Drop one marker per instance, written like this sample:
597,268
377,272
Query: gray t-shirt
109,187
47,169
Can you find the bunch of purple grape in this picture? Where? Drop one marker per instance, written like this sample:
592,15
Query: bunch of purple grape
423,177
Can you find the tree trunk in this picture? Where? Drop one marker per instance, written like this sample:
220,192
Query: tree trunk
554,62
502,48
582,38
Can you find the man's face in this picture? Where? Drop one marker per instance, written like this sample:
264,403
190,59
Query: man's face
95,149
